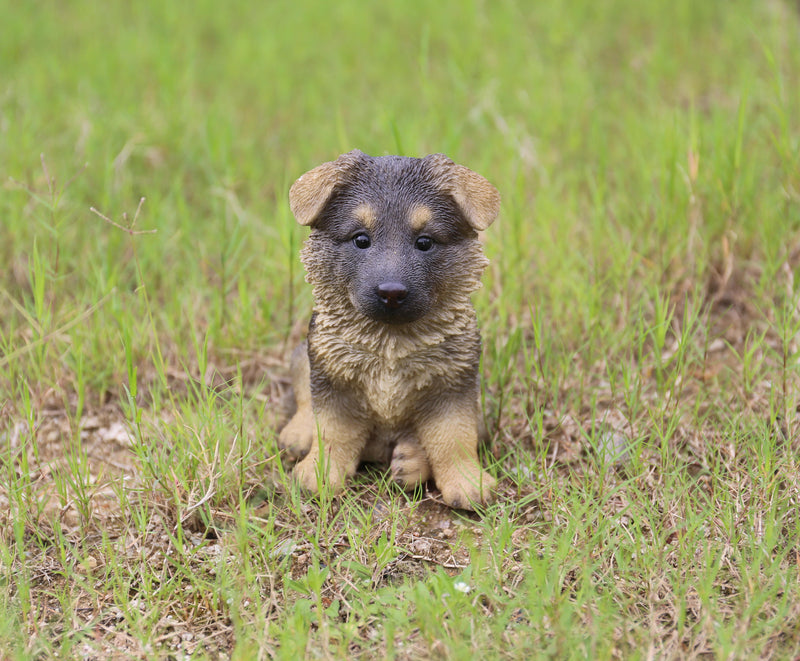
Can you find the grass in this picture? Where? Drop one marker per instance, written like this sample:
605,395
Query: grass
640,322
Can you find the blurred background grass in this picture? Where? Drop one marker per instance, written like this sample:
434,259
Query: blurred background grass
583,114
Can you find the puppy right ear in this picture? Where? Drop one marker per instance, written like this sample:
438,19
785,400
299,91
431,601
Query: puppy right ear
312,191
477,198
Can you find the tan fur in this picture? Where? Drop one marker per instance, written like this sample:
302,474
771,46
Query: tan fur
309,194
299,432
476,196
366,214
420,216
450,440
403,394
339,459
410,465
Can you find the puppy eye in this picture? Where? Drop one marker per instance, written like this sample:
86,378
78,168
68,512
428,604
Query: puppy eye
424,243
362,241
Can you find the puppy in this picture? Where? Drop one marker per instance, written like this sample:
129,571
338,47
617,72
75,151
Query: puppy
389,372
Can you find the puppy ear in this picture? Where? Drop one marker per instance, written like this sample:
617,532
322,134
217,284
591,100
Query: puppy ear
478,199
311,192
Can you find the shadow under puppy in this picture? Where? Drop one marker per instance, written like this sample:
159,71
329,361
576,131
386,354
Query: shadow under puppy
389,372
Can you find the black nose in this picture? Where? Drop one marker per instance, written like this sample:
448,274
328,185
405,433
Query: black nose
392,294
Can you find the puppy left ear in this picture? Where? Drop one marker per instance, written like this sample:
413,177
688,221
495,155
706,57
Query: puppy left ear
478,199
309,195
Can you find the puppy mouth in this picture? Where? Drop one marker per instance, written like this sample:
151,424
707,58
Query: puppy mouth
393,316
389,305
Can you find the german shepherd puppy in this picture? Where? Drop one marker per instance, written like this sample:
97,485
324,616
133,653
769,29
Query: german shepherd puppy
389,372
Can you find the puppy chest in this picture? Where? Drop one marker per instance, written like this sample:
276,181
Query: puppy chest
392,392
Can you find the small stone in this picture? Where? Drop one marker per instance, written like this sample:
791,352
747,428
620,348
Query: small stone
613,447
421,546
283,549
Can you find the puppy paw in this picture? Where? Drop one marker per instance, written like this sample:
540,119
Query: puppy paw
409,466
465,490
297,436
306,474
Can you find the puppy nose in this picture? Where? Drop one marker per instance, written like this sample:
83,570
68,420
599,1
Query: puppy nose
392,294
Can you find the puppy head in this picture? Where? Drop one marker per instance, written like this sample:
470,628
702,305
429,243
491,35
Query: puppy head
394,237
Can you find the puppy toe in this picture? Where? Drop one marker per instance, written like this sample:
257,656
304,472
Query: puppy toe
305,474
332,480
468,492
409,465
296,437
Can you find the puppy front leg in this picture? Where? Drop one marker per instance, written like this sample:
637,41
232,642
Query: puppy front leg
449,434
335,452
297,436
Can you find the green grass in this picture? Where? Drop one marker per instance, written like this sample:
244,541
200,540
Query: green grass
640,321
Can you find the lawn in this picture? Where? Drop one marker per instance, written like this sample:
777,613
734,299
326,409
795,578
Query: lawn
640,318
